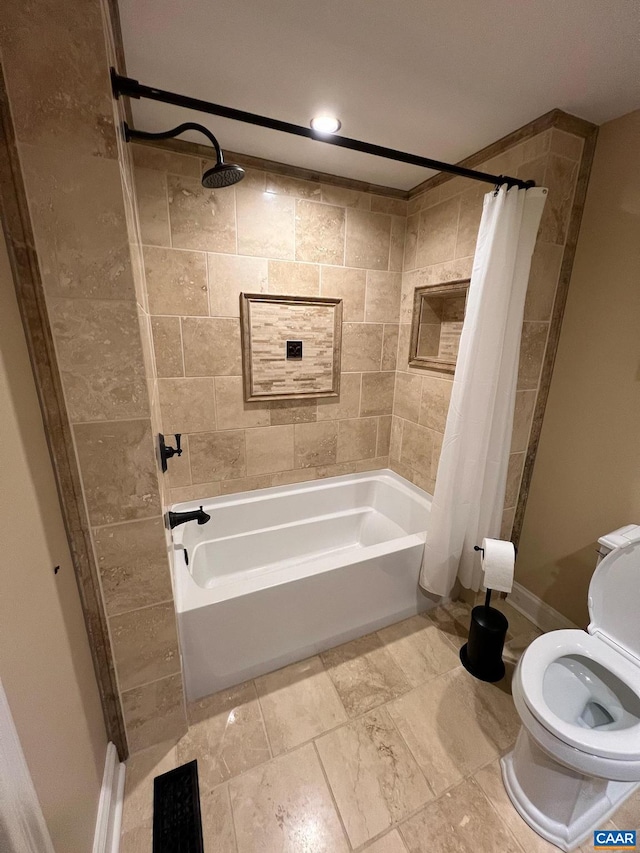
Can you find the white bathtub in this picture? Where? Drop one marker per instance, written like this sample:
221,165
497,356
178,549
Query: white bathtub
279,574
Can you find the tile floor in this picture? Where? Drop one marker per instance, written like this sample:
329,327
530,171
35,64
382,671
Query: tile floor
384,744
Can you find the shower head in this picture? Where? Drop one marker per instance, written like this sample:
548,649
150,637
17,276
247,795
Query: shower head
222,175
219,176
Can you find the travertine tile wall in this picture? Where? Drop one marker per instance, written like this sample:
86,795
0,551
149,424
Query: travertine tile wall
57,72
269,234
442,228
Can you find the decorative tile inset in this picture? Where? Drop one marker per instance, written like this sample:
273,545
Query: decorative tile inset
291,346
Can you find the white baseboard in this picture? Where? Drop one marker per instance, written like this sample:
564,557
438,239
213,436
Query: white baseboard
109,820
537,611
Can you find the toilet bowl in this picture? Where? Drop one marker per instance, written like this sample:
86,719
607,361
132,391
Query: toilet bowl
577,757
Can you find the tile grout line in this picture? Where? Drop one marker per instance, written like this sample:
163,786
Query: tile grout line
501,820
263,719
331,794
233,818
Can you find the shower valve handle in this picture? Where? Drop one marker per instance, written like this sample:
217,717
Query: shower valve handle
166,451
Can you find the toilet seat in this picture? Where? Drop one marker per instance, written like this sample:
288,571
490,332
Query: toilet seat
621,744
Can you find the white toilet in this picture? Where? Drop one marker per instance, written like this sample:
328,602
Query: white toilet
577,757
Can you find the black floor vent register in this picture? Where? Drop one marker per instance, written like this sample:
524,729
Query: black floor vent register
177,822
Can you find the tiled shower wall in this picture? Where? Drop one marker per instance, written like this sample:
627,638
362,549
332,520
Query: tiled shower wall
442,229
269,234
57,73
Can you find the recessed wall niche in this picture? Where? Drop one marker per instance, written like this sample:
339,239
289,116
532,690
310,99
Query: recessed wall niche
438,315
290,346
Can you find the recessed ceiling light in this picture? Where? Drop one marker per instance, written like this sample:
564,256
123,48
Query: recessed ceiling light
326,124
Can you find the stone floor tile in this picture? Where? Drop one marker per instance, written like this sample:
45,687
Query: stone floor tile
298,702
226,735
285,805
365,674
374,778
419,648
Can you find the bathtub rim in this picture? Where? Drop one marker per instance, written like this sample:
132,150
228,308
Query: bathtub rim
191,596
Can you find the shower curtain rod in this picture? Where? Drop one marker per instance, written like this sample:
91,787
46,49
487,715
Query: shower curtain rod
131,88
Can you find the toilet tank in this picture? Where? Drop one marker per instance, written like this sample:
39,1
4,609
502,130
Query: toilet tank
617,539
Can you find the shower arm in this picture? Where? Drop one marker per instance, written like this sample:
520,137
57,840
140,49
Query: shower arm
131,133
130,88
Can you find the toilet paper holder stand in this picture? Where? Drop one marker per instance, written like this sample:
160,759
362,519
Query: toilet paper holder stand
487,598
481,655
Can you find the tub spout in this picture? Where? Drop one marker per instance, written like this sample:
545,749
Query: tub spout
176,518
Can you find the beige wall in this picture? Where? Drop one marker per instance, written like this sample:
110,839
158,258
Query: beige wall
587,475
56,66
442,229
278,235
45,661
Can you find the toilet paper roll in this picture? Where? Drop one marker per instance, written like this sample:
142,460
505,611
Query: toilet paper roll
498,564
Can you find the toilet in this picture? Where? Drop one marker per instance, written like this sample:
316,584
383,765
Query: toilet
577,756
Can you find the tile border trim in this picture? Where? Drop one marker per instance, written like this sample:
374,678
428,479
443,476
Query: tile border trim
555,328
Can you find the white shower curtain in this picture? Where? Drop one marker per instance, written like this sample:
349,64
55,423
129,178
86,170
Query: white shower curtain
470,486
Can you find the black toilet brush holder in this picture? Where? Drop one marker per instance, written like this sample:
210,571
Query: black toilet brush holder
481,655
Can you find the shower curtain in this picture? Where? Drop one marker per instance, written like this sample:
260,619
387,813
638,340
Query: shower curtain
470,486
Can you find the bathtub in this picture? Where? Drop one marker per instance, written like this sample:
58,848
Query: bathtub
279,574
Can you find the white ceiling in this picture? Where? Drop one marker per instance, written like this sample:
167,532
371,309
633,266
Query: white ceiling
441,78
